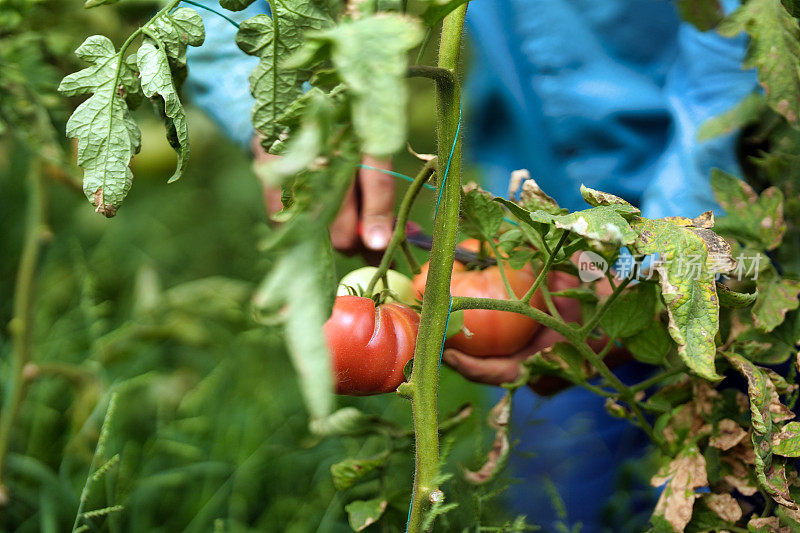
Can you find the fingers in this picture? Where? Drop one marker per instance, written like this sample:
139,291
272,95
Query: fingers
344,230
377,204
489,370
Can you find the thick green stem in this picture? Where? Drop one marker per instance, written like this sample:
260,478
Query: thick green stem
21,325
423,386
399,235
546,268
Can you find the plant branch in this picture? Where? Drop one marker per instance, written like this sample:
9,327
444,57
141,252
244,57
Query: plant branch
442,76
500,266
399,235
590,325
574,336
545,268
422,387
21,325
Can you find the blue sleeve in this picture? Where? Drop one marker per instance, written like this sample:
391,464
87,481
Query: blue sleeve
705,80
219,70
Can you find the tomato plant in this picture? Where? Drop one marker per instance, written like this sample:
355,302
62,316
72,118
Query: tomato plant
400,287
711,302
370,345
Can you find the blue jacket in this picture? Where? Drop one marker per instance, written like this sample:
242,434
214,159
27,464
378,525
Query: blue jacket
608,93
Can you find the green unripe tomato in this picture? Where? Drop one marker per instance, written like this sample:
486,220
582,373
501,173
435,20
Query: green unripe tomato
358,279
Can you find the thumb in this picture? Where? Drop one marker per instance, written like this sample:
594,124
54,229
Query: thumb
377,204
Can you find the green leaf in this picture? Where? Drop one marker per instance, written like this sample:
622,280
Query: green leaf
156,79
350,471
307,142
746,112
531,197
439,9
734,300
107,134
88,4
598,198
650,345
176,31
688,261
370,57
704,14
273,39
774,50
295,291
603,227
787,441
776,297
750,218
236,5
362,514
792,6
482,216
771,473
582,294
631,312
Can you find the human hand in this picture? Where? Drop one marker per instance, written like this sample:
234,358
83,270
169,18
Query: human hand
497,370
367,214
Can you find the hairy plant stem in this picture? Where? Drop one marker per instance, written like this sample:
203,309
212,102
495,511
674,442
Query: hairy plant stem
546,268
21,325
575,336
422,387
399,235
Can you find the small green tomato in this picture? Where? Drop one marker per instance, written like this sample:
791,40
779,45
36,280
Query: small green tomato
358,279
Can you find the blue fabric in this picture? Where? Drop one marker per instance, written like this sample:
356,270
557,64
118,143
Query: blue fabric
219,72
608,93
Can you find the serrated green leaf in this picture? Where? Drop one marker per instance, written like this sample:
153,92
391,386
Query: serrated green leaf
306,143
770,471
273,39
603,227
304,317
350,471
597,198
776,297
362,514
176,31
439,9
631,312
703,14
774,50
650,345
482,216
156,79
688,260
749,110
750,218
370,56
787,441
733,299
107,134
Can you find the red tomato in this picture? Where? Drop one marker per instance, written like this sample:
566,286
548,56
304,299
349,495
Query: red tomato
493,333
370,345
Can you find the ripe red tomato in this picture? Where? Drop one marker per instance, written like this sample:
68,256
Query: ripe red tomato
493,333
370,345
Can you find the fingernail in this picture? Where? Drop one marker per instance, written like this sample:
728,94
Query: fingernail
376,238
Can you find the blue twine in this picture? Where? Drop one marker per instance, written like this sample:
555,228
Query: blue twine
396,175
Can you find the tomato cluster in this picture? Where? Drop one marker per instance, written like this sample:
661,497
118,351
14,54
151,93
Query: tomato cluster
372,343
